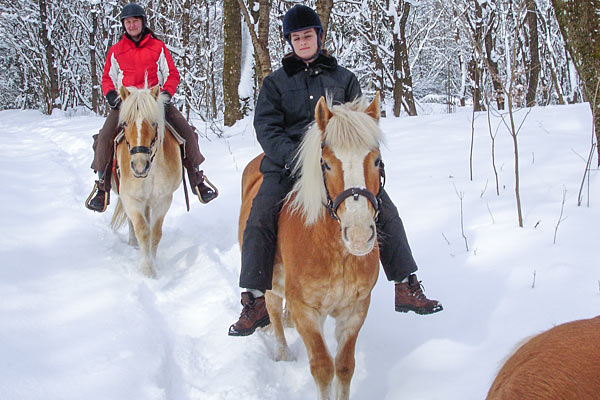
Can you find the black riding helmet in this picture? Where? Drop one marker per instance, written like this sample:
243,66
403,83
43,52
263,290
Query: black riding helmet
299,18
133,10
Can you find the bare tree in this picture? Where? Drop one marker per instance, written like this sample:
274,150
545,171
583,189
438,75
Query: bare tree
232,60
260,43
50,87
580,24
534,54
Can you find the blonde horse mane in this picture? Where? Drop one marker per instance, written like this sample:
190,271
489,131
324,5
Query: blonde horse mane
141,103
350,128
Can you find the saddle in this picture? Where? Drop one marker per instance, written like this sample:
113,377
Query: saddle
113,170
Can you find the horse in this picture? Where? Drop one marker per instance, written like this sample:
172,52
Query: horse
560,363
327,265
149,161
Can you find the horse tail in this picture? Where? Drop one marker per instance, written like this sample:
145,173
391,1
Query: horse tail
119,217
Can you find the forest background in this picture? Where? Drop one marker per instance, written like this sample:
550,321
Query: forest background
503,53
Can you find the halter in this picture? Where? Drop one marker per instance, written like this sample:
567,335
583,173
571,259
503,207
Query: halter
333,205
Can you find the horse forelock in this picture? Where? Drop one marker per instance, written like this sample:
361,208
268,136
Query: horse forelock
349,129
141,104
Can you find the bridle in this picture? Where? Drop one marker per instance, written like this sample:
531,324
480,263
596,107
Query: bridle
142,149
375,200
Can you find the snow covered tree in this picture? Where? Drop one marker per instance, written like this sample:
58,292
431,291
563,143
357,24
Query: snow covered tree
580,24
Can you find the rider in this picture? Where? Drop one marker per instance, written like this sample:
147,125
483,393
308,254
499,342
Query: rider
140,57
285,107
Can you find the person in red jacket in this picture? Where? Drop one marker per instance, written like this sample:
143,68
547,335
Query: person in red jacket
141,59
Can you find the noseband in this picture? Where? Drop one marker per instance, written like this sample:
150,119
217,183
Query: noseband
143,149
355,192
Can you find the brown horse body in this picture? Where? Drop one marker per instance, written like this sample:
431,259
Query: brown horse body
149,162
562,363
325,267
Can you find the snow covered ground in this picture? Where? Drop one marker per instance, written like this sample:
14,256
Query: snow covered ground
78,321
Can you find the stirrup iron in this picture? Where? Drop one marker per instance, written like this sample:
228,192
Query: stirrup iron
94,190
213,187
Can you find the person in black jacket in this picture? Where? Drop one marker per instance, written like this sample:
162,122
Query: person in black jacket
283,112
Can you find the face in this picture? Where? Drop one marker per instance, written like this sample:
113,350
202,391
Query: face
133,26
305,43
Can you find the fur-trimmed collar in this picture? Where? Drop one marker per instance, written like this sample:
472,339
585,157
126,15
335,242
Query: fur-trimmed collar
293,64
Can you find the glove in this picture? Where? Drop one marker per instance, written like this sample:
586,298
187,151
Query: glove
113,99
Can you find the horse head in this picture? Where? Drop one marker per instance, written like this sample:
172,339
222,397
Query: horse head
346,173
142,118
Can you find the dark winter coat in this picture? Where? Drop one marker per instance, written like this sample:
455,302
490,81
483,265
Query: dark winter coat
287,100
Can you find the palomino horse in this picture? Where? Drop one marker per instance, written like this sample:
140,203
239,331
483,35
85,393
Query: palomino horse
562,363
327,266
150,170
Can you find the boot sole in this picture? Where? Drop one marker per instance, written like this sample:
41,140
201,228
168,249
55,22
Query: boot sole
420,311
247,332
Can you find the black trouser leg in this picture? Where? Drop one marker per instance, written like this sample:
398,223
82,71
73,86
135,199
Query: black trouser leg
260,235
394,251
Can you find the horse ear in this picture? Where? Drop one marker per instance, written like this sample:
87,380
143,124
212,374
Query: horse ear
374,108
155,91
123,92
322,114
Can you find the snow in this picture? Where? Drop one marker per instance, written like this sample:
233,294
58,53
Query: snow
78,320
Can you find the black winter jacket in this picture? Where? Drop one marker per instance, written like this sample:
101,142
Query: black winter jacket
287,100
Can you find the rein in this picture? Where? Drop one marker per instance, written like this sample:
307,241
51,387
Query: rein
333,205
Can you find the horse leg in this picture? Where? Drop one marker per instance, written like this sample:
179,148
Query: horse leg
309,324
132,239
158,216
275,308
142,233
346,331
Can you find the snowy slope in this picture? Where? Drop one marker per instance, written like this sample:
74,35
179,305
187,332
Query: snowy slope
77,320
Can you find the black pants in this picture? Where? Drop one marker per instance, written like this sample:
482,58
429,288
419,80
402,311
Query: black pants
260,236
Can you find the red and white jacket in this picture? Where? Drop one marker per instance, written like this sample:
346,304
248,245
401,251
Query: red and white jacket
127,64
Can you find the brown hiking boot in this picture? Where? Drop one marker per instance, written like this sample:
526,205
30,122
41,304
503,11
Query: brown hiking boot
410,297
254,315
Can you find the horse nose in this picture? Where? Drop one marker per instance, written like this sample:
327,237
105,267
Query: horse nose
140,172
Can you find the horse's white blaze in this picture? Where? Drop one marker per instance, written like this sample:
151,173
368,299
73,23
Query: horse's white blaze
138,125
358,227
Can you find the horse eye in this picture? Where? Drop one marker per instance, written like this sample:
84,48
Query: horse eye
154,124
327,167
377,162
124,124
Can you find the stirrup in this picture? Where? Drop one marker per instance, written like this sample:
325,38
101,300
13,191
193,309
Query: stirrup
213,187
94,190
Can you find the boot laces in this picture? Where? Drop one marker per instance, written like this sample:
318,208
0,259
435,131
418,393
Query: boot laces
247,310
417,291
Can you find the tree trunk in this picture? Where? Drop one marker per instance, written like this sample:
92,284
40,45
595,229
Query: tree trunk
474,69
403,93
579,24
324,8
534,53
260,44
96,92
232,61
492,64
51,85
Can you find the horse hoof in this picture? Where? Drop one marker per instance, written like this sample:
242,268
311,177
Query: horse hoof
285,355
149,272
